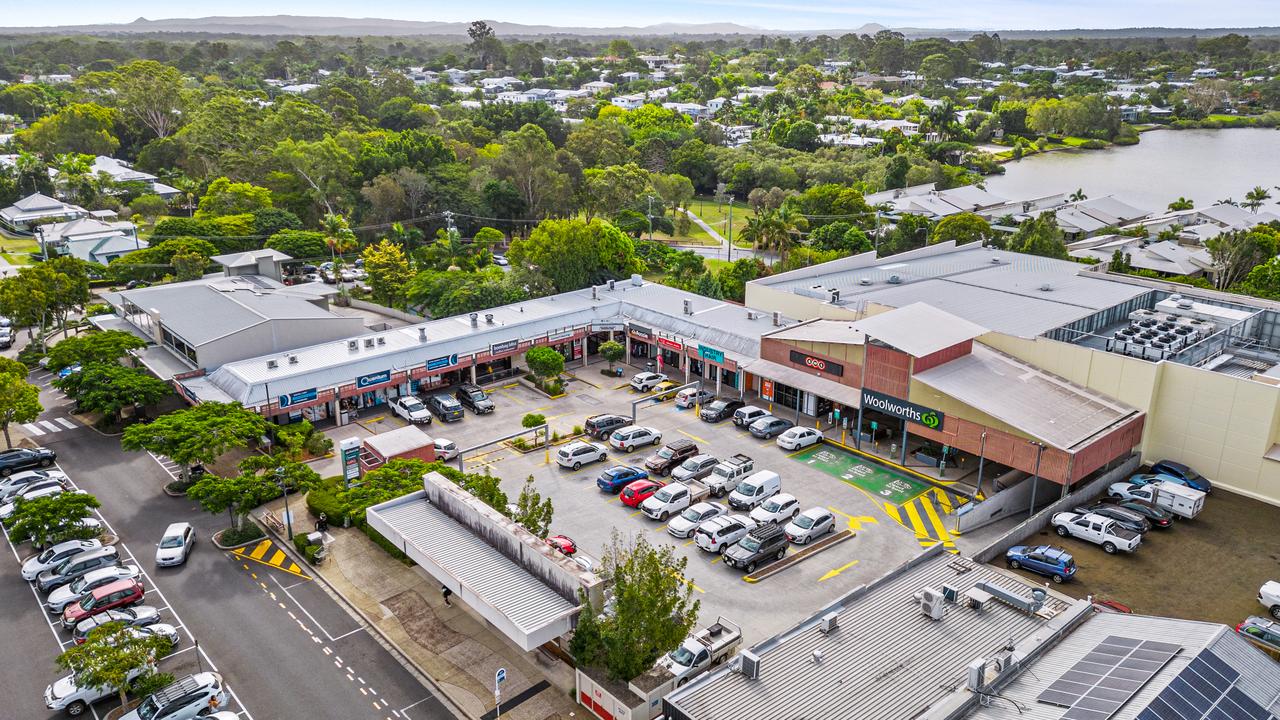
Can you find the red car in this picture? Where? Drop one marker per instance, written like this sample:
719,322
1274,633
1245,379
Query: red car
121,593
638,491
563,543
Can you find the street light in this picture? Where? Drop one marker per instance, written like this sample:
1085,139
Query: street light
288,517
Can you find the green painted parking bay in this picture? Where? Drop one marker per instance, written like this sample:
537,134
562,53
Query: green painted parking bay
880,482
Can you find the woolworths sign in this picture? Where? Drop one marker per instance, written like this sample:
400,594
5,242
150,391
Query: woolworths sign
899,408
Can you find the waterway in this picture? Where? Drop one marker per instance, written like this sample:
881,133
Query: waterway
1203,165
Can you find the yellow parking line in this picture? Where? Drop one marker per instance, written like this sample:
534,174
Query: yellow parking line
689,542
695,437
508,387
634,513
260,550
277,558
718,559
916,521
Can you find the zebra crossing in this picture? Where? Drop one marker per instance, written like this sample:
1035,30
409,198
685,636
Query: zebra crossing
47,427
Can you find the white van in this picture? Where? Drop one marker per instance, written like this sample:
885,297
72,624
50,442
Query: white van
755,489
1181,501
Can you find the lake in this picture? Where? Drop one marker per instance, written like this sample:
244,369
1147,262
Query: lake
1203,165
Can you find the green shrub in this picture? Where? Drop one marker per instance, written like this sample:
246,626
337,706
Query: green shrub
150,683
248,533
179,486
1093,145
309,552
300,542
577,429
324,499
318,444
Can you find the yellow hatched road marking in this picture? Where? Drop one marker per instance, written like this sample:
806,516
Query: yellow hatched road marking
892,511
276,562
260,550
277,558
916,522
943,499
939,527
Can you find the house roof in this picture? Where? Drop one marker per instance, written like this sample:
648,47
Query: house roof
919,329
38,201
249,258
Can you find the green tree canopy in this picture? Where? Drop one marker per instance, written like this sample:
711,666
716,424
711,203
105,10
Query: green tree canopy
1040,236
533,511
961,228
575,253
225,197
77,128
301,244
19,402
53,519
109,388
106,346
111,656
389,272
199,434
544,362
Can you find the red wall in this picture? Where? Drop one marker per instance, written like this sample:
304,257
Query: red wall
780,352
944,355
888,371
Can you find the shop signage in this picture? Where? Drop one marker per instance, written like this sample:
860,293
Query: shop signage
712,354
350,453
640,331
766,389
503,347
299,397
605,327
442,362
671,344
890,405
817,363
552,337
370,380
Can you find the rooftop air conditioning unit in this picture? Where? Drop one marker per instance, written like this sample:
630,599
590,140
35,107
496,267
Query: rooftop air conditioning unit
750,667
688,307
637,279
272,364
752,314
895,280
950,593
975,674
931,604
1185,304
777,319
382,340
353,345
368,342
293,359
835,296
995,259
595,292
829,623
864,281
612,284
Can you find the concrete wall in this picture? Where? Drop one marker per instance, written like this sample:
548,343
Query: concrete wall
1010,502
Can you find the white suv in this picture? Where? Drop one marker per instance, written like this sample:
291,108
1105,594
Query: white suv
633,436
720,533
646,381
191,697
576,454
67,695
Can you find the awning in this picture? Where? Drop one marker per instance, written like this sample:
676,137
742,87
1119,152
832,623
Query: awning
162,363
847,396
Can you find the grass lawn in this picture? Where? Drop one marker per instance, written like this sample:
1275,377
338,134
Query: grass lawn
16,250
717,216
716,266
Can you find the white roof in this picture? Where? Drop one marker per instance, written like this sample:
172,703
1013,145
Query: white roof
919,329
399,441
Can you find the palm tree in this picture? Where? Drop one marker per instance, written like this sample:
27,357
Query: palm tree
1181,204
1227,201
792,224
1078,195
340,239
1255,198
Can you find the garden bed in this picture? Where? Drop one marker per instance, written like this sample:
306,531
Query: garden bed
231,538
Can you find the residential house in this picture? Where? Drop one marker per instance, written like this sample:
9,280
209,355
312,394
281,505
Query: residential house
1204,73
715,104
56,79
457,76
629,102
122,172
1165,257
848,140
629,76
598,87
90,239
36,208
654,61
300,88
694,110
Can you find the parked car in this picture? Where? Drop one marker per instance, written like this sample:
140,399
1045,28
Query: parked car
15,482
500,260
702,650
720,533
74,567
445,449
53,556
667,501
563,543
798,437
718,410
6,337
747,414
29,493
59,599
69,370
136,616
31,488
191,697
619,476
684,525
121,593
1183,475
769,426
1269,596
638,491
694,468
600,427
1156,515
765,543
690,397
411,409
755,489
1261,630
669,456
74,698
777,509
1127,519
444,407
633,436
1177,499
1052,562
11,461
646,381
474,398
810,525
578,453
726,475
665,390
1155,477
1097,530
175,545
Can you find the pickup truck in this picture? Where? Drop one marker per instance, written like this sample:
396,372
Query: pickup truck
672,500
728,473
703,649
1269,595
1177,499
1097,530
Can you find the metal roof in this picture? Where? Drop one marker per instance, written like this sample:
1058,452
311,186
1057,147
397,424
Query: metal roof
919,329
830,389
886,660
399,441
1045,406
828,331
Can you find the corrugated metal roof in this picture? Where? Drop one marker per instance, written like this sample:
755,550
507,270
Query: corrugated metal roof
919,329
847,396
1042,405
887,661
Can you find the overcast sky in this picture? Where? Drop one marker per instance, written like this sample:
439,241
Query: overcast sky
771,14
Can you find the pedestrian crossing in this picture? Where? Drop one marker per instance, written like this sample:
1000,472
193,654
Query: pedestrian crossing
266,553
48,427
925,516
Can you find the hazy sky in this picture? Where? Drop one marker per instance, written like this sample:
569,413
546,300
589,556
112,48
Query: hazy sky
773,14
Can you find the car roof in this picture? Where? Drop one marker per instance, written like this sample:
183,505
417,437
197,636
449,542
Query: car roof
816,512
115,586
176,528
1173,465
782,497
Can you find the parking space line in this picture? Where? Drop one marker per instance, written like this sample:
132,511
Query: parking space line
691,435
308,613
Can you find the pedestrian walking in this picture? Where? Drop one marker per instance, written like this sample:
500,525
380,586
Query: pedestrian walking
445,592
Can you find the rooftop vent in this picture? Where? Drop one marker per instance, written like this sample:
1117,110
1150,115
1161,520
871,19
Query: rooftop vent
829,623
293,359
1185,304
688,307
864,281
382,340
595,292
835,296
475,319
1046,287
422,334
777,319
612,284
488,318
353,345
750,667
272,364
1030,607
636,279
817,656
895,280
368,342
995,259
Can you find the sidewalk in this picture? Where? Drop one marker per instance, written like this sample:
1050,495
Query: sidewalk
448,644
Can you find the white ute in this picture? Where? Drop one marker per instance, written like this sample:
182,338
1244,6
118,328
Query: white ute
703,649
1097,530
671,499
1178,499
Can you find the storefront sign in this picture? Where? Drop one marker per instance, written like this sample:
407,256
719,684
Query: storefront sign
640,331
899,408
552,337
712,354
350,453
370,380
503,347
816,363
675,345
299,397
605,327
442,362
766,389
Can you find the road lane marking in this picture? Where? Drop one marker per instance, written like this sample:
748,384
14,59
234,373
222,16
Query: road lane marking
66,423
833,573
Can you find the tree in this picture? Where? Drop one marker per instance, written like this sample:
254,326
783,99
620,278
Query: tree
77,128
544,362
52,519
150,92
910,232
605,191
1236,253
199,434
111,657
527,160
106,346
340,239
300,244
840,236
19,402
235,495
1120,262
653,609
612,351
574,254
1255,198
707,286
1040,236
110,388
1262,281
1181,204
533,512
961,228
232,198
388,270
937,68
485,43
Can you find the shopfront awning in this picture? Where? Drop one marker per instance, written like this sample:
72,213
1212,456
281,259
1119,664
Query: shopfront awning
847,396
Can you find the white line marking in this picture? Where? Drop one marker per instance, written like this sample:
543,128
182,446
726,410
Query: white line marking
66,423
51,426
308,614
33,429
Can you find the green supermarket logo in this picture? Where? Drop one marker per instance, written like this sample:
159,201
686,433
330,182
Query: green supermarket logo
930,420
899,408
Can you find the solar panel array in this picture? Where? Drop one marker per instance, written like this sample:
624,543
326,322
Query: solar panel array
1204,690
1104,680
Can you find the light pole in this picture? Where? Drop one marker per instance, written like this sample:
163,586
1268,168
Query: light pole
1035,479
288,517
649,217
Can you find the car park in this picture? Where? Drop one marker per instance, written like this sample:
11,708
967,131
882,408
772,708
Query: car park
12,461
445,449
175,545
810,525
637,492
15,482
191,697
53,556
563,543
1183,475
75,566
694,468
669,456
755,489
1158,517
72,697
411,409
777,509
601,427
619,476
60,598
633,436
1052,562
747,414
761,545
29,493
769,427
578,453
646,381
1269,596
798,437
718,410
1097,530
121,593
1261,630
669,500
693,516
719,533
444,407
693,397
1127,519
136,616
474,398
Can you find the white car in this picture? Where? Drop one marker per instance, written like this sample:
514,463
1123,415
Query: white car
411,409
6,510
500,260
690,397
445,449
59,599
668,500
19,480
173,549
799,437
719,533
633,436
646,381
54,556
688,521
36,485
1269,595
578,453
810,525
66,694
776,509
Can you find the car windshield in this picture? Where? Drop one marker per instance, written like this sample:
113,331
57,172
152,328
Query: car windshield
747,489
691,464
86,602
691,515
665,453
476,394
46,556
804,521
412,405
664,494
716,406
171,541
682,656
148,709
750,543
77,587
772,506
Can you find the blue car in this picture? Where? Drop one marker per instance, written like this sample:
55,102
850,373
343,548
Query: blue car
618,476
1052,562
1148,478
1183,475
68,371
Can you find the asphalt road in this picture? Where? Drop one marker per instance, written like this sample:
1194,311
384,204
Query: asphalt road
286,648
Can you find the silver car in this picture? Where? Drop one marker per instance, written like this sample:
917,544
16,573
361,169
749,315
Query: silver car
60,598
810,525
688,521
694,468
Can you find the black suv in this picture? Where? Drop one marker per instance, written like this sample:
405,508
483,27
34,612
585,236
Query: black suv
444,407
474,398
11,461
760,545
602,426
714,412
670,456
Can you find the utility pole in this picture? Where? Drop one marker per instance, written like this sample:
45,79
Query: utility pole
650,217
728,251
